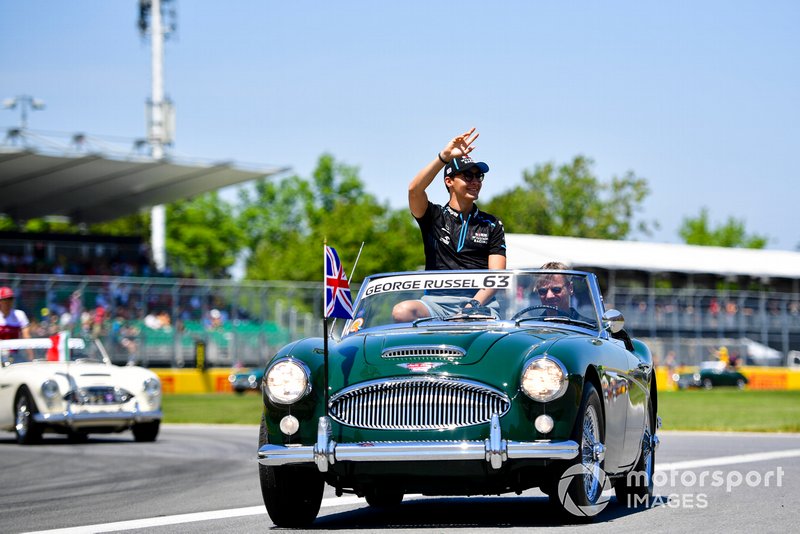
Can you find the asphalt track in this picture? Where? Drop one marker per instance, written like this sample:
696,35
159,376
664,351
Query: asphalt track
198,479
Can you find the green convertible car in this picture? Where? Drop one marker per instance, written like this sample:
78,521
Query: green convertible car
462,383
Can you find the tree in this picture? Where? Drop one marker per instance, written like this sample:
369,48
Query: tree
286,222
203,237
697,231
570,201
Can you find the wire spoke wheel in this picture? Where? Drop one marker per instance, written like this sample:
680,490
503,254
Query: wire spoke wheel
591,438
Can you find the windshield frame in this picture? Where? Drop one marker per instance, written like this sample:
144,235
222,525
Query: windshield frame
509,276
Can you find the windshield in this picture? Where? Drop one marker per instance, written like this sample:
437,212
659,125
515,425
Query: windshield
42,349
564,297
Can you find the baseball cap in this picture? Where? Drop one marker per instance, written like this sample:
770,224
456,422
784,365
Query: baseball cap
6,293
461,165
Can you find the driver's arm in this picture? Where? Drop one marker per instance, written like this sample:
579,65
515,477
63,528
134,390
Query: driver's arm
496,261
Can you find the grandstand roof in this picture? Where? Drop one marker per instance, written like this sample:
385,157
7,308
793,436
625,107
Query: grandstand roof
527,250
94,187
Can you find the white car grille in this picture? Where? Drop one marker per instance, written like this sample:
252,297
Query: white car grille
98,395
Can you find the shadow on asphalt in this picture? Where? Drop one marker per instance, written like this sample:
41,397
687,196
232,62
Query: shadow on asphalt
468,512
63,439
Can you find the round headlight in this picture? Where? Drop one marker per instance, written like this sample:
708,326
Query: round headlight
544,379
152,387
287,381
49,389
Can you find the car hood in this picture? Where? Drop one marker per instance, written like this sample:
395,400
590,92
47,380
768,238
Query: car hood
83,374
458,345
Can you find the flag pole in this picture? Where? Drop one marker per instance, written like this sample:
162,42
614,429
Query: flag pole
325,327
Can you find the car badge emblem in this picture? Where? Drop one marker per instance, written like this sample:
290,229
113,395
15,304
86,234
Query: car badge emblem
420,367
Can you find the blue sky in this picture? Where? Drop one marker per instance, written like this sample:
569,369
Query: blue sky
700,98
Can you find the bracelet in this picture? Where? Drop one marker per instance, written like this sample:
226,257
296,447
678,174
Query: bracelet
441,158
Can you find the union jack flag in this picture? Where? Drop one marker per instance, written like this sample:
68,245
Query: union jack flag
338,302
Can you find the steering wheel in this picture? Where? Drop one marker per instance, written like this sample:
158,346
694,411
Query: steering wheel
536,307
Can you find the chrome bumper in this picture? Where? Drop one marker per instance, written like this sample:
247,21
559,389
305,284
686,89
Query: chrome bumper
72,419
493,450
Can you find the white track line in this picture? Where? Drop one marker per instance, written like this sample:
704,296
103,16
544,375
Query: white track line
347,501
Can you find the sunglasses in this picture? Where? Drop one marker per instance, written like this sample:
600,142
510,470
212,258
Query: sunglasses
555,289
472,177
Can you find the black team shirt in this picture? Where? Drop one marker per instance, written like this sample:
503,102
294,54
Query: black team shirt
456,241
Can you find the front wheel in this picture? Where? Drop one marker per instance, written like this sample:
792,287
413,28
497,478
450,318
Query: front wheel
292,494
27,430
384,498
740,383
580,488
144,432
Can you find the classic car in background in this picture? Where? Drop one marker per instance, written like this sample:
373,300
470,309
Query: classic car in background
81,395
247,380
471,400
710,375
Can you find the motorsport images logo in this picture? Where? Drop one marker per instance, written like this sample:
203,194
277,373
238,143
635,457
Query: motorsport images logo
577,473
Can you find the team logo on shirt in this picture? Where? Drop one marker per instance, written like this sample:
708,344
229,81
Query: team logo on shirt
445,239
480,237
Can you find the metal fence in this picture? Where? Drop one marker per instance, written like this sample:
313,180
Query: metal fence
762,326
161,322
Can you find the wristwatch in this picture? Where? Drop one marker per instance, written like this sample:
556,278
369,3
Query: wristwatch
474,303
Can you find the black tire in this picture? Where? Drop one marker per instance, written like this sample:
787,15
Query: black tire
586,489
27,430
636,488
77,436
292,494
384,498
145,432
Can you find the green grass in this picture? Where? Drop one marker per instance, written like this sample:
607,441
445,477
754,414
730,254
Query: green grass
213,408
720,409
730,409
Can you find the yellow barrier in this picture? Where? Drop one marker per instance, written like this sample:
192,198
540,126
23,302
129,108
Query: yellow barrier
757,377
194,380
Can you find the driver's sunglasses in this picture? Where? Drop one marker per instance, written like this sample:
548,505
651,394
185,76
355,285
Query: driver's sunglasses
472,177
555,289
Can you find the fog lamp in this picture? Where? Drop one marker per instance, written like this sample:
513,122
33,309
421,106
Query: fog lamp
289,425
544,424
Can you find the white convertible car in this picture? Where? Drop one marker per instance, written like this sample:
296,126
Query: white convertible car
84,394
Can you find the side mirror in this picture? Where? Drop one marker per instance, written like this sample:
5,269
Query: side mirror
613,321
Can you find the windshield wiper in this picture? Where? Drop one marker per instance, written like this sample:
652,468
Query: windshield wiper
560,319
456,317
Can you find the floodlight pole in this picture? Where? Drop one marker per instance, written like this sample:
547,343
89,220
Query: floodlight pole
156,135
26,103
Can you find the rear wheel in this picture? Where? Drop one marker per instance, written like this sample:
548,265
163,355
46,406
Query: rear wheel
292,494
707,383
636,488
740,383
27,430
143,432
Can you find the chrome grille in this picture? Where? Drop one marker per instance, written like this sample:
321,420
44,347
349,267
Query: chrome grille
96,395
424,351
417,404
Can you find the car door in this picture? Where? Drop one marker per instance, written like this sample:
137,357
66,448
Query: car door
638,397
